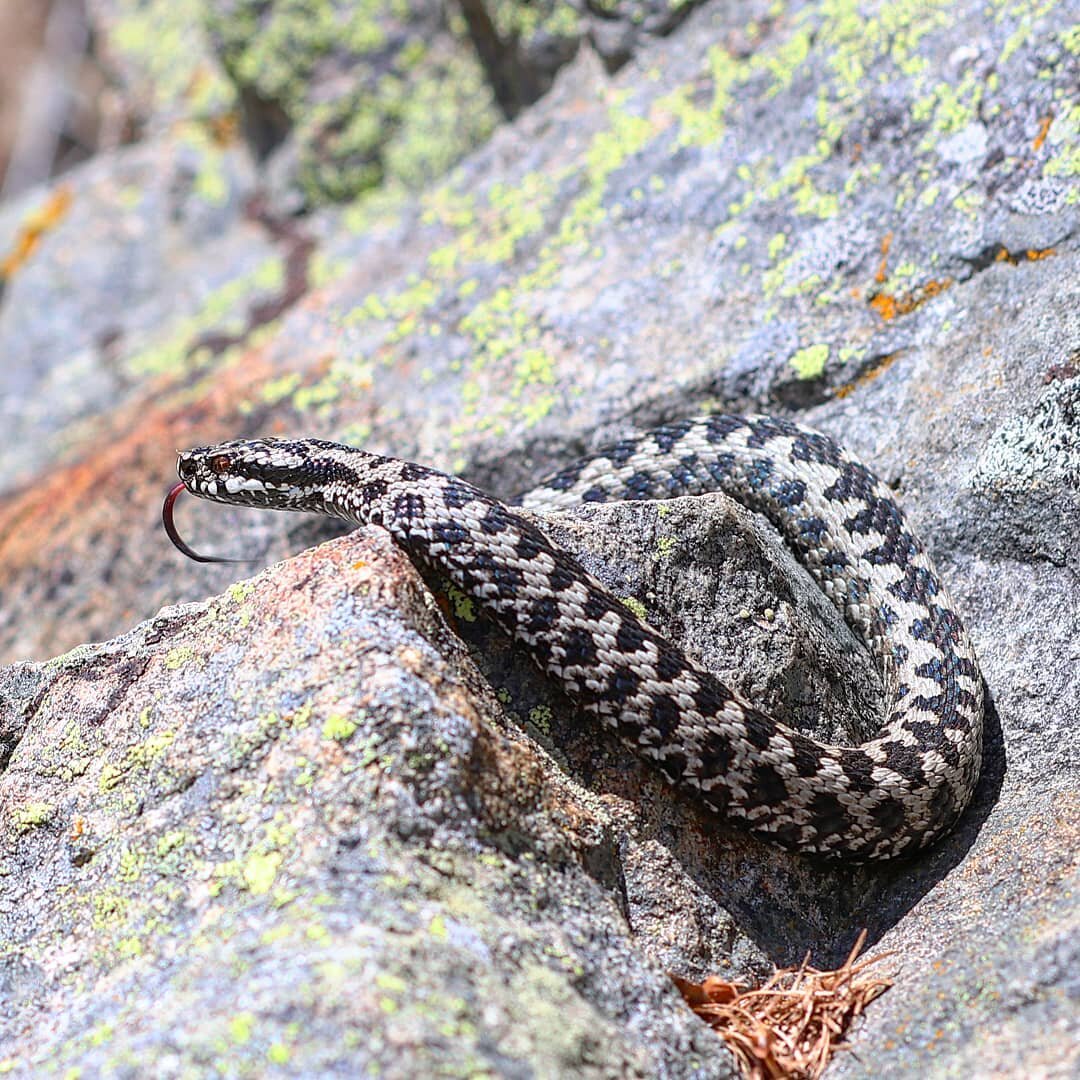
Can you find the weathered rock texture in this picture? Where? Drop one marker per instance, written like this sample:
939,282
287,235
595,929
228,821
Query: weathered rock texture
864,215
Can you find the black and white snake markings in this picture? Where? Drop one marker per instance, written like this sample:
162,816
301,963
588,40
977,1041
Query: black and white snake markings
888,797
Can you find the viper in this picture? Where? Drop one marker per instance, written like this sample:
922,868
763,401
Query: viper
888,797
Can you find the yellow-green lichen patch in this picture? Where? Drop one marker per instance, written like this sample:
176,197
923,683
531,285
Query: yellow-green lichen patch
490,234
241,1026
102,1034
163,39
223,312
278,1053
240,591
1063,138
540,718
463,607
170,842
535,367
626,134
178,657
809,362
338,727
109,909
783,61
32,815
704,126
136,759
259,871
73,757
130,866
635,605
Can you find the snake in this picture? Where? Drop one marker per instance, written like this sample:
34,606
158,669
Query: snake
891,796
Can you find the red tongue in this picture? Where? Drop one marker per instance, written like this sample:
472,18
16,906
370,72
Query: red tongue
174,536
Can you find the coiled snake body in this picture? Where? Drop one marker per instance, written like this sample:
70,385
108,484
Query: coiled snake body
885,798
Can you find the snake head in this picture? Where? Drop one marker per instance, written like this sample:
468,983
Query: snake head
272,473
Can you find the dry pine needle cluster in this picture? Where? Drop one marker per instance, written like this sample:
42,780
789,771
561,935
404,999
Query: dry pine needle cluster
789,1028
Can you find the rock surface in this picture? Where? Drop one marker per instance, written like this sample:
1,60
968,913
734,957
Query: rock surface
865,216
293,834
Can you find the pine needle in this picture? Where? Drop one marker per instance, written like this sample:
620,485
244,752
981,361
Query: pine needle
789,1028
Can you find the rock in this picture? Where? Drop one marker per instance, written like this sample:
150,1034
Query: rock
290,827
864,220
620,28
148,244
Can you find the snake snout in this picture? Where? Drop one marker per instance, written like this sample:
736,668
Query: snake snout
185,467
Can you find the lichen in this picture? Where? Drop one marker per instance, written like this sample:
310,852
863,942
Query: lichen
809,362
338,727
33,815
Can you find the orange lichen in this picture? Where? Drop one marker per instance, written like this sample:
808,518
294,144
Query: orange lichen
886,243
224,130
1044,127
790,1028
35,226
888,306
867,376
885,305
1014,258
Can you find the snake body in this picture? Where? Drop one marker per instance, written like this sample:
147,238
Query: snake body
888,797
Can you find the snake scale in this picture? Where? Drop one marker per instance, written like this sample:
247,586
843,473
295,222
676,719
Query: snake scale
888,797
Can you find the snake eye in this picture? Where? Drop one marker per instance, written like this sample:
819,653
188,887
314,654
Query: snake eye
220,464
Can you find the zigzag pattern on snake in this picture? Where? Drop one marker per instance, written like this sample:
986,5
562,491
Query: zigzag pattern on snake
888,797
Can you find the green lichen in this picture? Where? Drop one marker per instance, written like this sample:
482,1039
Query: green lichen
179,656
109,909
634,605
224,311
540,717
704,126
463,606
130,866
241,1027
259,871
278,1053
163,41
338,727
33,815
172,841
240,591
783,60
809,362
415,99
136,759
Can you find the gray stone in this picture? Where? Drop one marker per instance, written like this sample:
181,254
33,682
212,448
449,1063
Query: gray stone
292,827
